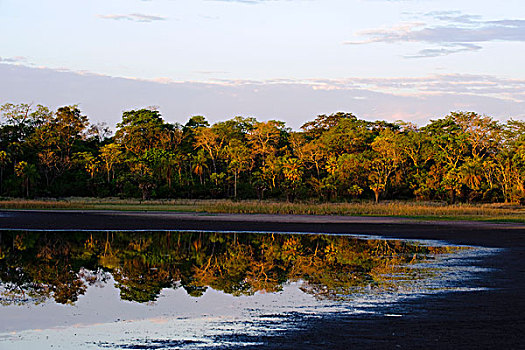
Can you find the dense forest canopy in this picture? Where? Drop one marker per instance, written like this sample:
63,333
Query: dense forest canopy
463,156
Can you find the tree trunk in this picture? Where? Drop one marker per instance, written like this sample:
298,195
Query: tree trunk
235,185
377,191
214,164
260,193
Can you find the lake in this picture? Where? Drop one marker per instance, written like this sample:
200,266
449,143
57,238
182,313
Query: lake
194,289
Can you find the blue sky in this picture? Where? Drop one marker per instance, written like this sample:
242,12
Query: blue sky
412,59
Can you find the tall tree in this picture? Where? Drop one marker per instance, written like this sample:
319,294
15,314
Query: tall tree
141,130
450,147
387,157
239,160
110,156
264,138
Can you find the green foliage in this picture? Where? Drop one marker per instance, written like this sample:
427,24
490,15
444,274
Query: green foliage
463,157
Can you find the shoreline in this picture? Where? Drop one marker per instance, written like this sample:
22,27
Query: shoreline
458,232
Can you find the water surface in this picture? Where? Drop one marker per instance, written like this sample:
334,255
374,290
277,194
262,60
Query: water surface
205,289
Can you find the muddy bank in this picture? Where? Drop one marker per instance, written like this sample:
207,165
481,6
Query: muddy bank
474,233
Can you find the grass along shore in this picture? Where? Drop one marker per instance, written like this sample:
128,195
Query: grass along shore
418,210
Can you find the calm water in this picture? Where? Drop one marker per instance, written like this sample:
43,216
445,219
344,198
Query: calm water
168,290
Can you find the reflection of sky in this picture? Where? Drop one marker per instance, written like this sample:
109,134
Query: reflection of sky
101,315
100,319
103,305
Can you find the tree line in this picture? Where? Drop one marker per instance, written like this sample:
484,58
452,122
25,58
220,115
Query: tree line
463,156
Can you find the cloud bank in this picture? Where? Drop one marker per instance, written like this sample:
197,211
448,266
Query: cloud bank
104,98
456,32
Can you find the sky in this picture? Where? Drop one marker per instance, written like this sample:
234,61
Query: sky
288,60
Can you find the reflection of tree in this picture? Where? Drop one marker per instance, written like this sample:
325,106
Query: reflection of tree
31,270
37,266
139,281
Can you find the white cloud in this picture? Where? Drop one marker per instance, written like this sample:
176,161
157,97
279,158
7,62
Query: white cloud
456,32
446,49
135,17
248,1
16,59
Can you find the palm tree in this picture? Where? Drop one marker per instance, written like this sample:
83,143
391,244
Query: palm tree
28,172
4,159
199,164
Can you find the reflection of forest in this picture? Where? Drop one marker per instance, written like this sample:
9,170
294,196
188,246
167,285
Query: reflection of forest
35,266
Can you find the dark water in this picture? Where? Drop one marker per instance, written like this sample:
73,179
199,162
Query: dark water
166,290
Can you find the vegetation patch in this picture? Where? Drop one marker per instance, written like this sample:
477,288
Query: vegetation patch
421,211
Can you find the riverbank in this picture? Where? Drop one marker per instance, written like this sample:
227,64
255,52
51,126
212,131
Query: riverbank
495,212
491,317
